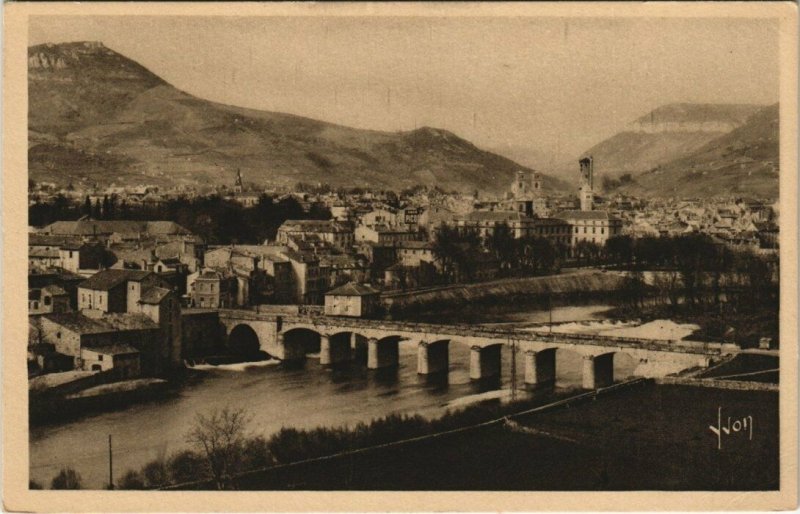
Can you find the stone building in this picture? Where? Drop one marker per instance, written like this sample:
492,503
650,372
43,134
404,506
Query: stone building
352,299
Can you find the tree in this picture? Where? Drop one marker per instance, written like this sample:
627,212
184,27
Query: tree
67,478
132,480
155,473
187,466
220,437
87,207
502,244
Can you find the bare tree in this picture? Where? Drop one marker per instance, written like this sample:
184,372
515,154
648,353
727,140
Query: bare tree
220,437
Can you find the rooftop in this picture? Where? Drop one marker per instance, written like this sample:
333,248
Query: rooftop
583,215
112,349
154,295
353,289
111,278
81,324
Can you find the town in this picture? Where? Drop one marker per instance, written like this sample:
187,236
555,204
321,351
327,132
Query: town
124,298
389,253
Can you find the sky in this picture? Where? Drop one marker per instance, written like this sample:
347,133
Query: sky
538,89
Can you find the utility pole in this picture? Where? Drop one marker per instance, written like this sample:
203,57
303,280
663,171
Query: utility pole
110,465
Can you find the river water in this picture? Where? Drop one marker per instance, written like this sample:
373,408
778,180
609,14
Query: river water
277,397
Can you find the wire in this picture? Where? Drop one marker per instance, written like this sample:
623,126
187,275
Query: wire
503,419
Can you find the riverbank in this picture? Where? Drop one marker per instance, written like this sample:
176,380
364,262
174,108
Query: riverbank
585,283
624,441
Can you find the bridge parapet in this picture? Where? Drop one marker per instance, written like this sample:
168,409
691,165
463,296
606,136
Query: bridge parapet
329,324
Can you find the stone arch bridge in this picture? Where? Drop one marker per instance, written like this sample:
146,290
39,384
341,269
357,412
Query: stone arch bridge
289,338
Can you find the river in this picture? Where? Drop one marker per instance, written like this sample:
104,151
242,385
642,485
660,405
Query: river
276,397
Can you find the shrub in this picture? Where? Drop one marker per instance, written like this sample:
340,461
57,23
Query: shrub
67,478
132,480
155,473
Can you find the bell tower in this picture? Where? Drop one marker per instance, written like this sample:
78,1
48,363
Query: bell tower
586,189
239,186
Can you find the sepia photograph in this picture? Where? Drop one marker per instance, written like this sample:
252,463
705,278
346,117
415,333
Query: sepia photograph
332,250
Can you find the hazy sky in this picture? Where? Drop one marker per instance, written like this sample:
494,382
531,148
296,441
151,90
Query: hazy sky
551,86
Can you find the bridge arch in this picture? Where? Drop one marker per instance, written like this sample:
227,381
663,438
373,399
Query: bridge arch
433,357
485,361
336,348
297,342
243,341
383,352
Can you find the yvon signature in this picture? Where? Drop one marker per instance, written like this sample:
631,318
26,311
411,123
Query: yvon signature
743,425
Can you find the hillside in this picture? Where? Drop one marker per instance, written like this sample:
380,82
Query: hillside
742,162
665,134
97,117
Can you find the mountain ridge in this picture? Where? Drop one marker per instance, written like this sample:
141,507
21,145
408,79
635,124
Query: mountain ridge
743,162
664,134
96,116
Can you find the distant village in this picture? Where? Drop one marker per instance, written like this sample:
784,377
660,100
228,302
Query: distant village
129,298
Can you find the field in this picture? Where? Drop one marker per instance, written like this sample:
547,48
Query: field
645,438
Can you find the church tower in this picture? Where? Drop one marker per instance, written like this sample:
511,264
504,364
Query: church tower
586,190
239,186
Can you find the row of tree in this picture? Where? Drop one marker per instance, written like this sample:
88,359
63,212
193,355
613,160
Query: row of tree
216,219
461,252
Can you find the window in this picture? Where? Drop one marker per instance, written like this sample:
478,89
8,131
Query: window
100,357
70,254
47,300
35,305
58,335
602,231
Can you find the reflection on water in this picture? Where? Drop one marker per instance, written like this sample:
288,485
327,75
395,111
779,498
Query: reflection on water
304,396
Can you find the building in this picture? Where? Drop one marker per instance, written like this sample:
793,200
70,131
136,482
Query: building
136,292
116,230
484,223
592,226
378,217
385,234
123,359
352,299
50,298
211,289
337,233
82,337
412,253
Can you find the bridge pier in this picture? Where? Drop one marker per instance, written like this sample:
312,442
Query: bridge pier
598,371
433,357
484,362
540,368
333,352
382,355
